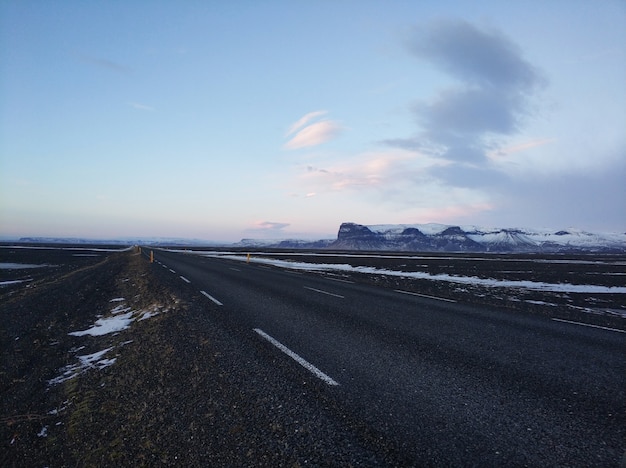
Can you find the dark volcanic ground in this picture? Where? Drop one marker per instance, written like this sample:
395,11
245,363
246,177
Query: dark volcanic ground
177,387
182,391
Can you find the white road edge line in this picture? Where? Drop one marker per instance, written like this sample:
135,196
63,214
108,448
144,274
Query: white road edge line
589,325
211,297
172,271
304,363
424,295
234,269
340,280
185,279
324,292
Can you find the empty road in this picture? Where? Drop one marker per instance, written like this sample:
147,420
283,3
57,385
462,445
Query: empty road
437,382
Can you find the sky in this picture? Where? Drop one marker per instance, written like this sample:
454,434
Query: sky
281,119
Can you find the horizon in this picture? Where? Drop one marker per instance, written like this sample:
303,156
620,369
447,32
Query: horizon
303,237
222,121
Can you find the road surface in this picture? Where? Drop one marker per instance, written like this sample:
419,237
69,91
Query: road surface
435,381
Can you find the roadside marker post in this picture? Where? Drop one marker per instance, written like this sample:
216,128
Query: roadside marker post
151,256
248,259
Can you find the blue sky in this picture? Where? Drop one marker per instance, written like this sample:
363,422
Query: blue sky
273,119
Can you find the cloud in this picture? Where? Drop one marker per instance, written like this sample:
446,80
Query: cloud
303,121
481,57
455,212
139,106
311,134
378,171
269,226
267,230
468,112
508,150
492,96
106,64
594,199
391,185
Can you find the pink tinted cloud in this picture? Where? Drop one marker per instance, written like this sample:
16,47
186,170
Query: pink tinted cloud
301,122
314,134
502,152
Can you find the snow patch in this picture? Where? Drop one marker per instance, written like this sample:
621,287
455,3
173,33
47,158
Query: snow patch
470,280
8,283
104,326
21,266
119,309
85,362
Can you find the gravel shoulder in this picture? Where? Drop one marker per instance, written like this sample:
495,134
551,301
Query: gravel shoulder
174,388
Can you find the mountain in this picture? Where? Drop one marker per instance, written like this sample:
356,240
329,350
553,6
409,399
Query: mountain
169,241
447,238
284,243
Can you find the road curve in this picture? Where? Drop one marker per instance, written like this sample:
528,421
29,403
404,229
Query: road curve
440,383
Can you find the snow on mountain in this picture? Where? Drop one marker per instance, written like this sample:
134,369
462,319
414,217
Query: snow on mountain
450,238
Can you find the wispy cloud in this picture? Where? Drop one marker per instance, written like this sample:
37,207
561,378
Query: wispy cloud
392,184
269,226
376,170
106,64
139,106
507,150
302,121
305,134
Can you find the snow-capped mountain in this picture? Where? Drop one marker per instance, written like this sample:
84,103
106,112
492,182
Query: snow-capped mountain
285,243
170,241
447,238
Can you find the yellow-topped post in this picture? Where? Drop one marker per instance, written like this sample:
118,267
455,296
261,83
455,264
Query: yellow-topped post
151,256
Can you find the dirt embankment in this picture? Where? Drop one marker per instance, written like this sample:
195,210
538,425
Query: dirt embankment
65,403
57,405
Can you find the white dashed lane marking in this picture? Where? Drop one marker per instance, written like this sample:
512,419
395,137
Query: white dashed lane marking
303,362
325,292
204,293
424,295
589,325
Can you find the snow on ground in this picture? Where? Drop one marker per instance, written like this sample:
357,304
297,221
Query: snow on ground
85,362
121,319
50,247
20,266
120,309
104,326
471,280
228,254
8,283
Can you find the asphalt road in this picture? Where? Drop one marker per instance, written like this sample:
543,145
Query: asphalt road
438,382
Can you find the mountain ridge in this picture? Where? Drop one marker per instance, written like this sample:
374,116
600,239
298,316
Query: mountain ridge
433,237
470,238
430,237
